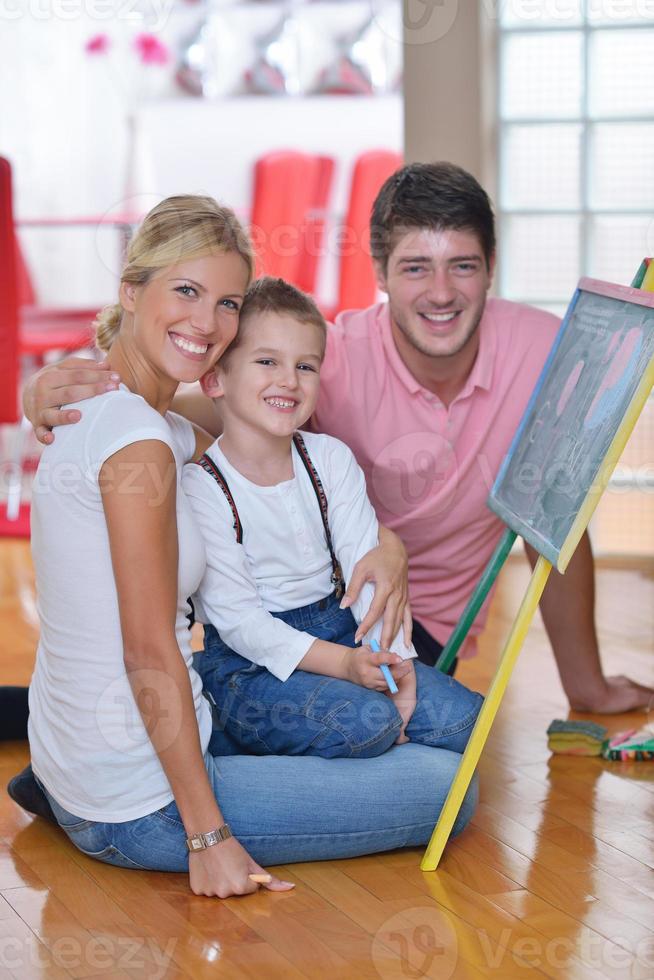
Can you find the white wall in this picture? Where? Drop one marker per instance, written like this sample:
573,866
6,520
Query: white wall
63,126
211,147
449,84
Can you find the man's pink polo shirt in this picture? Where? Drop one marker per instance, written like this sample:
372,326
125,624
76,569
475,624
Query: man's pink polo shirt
429,468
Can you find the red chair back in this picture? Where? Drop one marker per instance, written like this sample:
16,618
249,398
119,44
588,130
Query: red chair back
315,226
9,358
285,185
26,294
357,287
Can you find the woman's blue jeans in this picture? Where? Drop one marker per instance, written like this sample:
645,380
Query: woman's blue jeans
311,714
285,809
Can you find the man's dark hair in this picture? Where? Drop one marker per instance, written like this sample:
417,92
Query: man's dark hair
271,295
430,195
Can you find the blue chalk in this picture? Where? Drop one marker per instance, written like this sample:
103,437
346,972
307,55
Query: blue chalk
388,677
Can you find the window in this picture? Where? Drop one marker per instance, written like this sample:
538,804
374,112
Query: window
576,111
576,185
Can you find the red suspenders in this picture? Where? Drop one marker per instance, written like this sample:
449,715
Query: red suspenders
210,467
337,572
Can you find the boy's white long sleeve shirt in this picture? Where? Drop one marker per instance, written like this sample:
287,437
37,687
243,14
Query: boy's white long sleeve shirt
283,562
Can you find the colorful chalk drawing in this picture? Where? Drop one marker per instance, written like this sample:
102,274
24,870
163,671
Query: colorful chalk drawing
600,355
617,380
569,386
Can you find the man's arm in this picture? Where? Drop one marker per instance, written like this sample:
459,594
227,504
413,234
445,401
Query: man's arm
78,378
72,380
193,404
568,609
363,548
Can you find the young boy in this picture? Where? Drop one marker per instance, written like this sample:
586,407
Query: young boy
285,518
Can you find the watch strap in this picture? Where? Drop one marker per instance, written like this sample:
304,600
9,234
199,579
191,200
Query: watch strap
199,842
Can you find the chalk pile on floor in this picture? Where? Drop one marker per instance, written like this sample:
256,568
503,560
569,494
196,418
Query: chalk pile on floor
590,739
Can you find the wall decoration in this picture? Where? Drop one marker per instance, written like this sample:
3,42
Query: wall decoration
289,47
137,61
359,67
276,69
197,70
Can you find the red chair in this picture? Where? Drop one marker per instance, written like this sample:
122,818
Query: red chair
25,331
55,330
14,518
314,236
9,356
45,329
288,190
26,294
357,286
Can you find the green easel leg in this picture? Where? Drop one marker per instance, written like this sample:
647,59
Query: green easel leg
476,600
637,281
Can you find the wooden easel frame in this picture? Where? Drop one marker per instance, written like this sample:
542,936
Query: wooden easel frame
644,279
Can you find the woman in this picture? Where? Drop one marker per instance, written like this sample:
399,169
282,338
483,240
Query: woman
119,728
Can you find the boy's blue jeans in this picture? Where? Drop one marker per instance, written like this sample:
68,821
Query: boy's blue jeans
311,714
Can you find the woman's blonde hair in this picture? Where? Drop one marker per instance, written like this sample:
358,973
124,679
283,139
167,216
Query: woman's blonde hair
186,226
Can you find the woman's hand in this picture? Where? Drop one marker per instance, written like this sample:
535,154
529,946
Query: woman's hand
223,870
387,566
72,380
362,667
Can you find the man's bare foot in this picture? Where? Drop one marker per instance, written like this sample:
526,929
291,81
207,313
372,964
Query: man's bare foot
619,694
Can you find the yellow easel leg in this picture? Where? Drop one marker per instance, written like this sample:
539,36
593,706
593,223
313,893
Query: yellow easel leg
486,716
648,281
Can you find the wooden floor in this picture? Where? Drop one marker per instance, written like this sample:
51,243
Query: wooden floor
553,878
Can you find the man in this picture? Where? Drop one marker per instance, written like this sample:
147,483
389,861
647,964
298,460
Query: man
428,390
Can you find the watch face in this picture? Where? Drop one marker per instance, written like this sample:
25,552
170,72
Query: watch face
202,841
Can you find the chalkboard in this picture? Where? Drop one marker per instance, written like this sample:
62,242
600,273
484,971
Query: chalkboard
587,399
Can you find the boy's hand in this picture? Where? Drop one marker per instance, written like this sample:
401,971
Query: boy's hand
72,380
405,700
362,667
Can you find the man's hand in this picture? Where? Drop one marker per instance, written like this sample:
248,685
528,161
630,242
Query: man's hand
362,667
72,380
387,566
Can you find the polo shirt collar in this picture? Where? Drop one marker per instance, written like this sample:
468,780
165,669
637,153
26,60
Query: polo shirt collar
481,375
391,351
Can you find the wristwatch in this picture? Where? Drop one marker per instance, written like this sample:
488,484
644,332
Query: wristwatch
201,841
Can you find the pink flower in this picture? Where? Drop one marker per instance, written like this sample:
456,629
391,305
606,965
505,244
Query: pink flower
151,50
98,44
